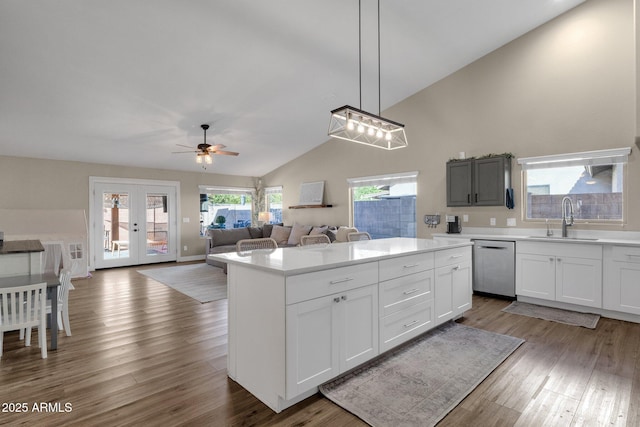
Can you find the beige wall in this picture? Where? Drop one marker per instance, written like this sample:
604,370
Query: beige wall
567,86
34,183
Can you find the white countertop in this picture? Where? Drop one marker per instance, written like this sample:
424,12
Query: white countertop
304,259
538,235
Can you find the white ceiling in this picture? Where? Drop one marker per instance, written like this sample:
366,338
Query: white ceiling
123,81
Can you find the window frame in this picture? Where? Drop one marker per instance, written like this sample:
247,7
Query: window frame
212,189
387,179
617,156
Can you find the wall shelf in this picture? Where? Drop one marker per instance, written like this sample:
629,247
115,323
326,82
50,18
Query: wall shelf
310,206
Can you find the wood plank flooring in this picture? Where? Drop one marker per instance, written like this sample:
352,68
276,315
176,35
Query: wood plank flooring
144,354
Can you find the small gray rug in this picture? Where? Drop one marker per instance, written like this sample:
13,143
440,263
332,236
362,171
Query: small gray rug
202,282
573,318
419,384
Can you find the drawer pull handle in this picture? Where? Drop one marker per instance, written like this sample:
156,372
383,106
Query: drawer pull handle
411,291
410,265
410,324
455,256
633,256
346,279
456,268
336,299
343,297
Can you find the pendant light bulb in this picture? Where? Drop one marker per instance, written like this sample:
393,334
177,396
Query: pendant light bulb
388,136
198,158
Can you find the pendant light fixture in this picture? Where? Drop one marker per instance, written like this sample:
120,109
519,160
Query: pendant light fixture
355,124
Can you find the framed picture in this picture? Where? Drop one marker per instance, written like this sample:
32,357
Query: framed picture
311,193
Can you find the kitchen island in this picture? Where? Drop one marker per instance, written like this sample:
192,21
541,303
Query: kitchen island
301,316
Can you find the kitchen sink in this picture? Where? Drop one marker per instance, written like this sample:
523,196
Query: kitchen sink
585,239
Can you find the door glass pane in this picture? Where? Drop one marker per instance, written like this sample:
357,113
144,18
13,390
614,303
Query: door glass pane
115,214
157,224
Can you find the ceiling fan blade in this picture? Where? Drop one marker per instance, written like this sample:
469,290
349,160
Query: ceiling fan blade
186,146
225,153
181,152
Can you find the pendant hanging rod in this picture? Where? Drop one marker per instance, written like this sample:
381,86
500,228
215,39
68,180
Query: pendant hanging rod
360,50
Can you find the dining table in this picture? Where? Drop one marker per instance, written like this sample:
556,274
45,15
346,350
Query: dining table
53,281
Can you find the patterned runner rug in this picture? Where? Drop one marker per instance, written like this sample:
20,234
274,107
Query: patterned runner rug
573,318
201,282
419,384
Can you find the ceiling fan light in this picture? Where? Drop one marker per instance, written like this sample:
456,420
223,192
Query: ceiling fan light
208,159
198,158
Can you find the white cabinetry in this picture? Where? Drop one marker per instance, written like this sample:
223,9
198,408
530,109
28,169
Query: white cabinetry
565,272
331,324
622,279
406,298
452,283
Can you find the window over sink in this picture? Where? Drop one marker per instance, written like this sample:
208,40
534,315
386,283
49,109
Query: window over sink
593,180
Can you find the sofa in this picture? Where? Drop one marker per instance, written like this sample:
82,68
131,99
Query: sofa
223,240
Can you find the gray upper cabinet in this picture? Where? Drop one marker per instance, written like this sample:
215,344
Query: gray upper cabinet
478,182
459,183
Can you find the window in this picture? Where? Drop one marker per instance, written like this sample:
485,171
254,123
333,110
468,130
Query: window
273,204
225,207
594,181
385,205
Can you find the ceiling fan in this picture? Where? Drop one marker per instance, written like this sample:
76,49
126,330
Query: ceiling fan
204,151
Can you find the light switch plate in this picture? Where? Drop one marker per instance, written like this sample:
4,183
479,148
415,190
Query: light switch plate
492,221
465,218
511,222
185,220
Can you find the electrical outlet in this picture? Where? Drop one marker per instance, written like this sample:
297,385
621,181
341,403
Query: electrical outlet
492,221
511,222
465,218
185,219
186,248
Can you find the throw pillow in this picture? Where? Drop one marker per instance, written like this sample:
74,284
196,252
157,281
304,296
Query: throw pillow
318,230
297,232
280,234
341,235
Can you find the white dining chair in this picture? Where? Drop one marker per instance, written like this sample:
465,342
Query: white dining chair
63,301
314,239
247,245
361,235
24,307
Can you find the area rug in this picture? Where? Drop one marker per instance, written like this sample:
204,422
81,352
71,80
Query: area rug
419,384
573,318
201,282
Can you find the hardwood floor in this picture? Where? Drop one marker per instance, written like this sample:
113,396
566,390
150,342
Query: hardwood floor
144,354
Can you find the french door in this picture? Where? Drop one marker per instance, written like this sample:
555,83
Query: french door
133,224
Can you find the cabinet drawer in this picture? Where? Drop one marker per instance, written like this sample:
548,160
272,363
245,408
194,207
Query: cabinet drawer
403,292
306,286
626,254
402,266
404,325
578,250
453,256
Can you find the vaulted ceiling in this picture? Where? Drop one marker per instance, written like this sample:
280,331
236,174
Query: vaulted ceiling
123,81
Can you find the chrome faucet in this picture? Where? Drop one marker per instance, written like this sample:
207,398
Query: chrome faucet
567,214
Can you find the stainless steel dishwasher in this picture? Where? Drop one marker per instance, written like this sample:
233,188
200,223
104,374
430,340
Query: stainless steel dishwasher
494,269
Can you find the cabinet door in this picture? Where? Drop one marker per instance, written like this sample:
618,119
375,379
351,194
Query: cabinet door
489,182
459,176
579,281
444,294
536,276
312,343
461,287
358,311
622,287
